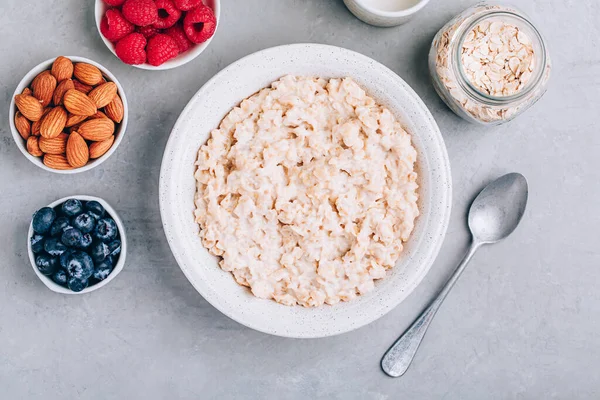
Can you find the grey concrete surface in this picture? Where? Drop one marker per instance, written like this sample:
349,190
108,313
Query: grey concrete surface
522,323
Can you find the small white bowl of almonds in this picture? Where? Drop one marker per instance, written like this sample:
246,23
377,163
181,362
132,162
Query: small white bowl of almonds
68,115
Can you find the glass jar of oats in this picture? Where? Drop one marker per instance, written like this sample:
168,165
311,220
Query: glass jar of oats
489,64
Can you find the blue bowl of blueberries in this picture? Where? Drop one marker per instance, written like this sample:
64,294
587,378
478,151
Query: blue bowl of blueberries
77,244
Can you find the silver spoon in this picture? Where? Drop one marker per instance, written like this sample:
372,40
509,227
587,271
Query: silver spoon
494,215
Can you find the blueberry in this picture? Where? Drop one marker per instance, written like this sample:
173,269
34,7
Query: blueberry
46,264
80,265
77,284
106,230
72,237
43,219
54,247
64,258
60,277
84,222
72,207
99,252
114,248
86,241
37,243
103,269
59,225
95,209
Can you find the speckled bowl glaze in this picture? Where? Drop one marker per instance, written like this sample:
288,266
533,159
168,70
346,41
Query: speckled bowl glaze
178,61
50,284
204,113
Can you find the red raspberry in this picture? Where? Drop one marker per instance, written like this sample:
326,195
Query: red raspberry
114,3
186,5
140,12
114,26
148,31
161,48
177,33
130,49
200,24
168,14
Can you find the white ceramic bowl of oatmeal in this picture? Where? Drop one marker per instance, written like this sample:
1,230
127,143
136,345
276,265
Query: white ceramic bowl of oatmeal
205,112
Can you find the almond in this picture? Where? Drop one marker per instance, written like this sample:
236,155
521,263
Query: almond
74,128
98,149
57,145
56,161
23,125
103,94
62,69
29,106
97,130
33,147
78,153
27,92
87,74
78,103
99,114
53,123
38,77
81,87
35,127
115,110
43,87
61,89
73,119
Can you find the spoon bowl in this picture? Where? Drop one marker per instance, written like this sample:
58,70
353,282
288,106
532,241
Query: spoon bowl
498,209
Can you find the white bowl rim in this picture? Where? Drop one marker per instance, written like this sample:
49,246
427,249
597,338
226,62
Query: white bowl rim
50,284
400,13
26,81
434,248
178,61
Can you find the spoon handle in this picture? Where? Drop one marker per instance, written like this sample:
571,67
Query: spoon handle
397,359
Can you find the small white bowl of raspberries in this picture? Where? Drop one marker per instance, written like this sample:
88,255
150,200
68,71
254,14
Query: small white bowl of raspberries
157,34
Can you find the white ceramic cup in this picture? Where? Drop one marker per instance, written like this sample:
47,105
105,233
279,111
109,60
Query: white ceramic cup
22,145
117,268
370,14
178,61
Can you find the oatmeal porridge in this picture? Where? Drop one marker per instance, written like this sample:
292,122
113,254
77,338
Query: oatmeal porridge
307,191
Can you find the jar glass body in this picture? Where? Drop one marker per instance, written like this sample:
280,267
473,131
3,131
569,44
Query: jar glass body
457,90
